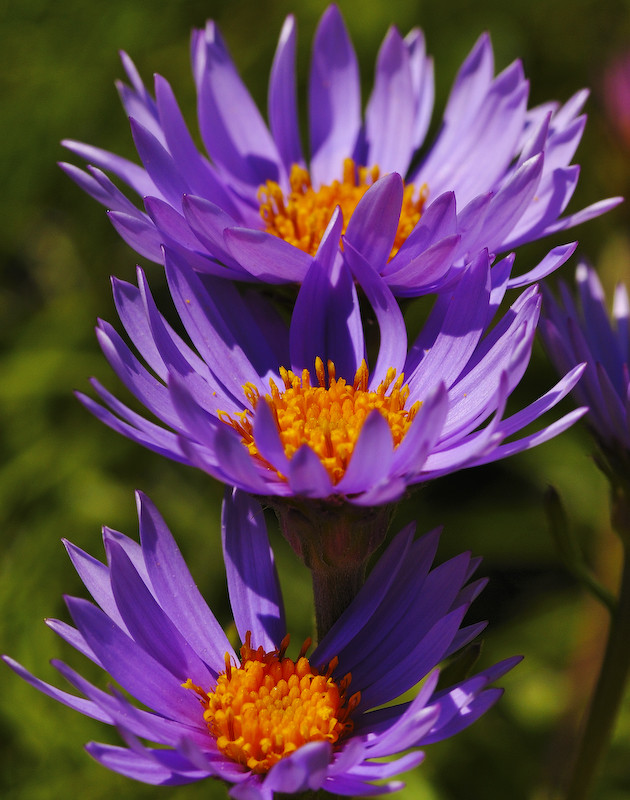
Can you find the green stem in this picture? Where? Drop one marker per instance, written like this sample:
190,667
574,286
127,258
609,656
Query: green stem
335,540
608,693
333,591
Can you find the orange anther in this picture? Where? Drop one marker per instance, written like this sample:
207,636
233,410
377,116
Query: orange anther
301,216
269,706
327,417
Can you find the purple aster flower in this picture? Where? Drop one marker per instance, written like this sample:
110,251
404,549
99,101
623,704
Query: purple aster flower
577,332
212,714
497,175
298,412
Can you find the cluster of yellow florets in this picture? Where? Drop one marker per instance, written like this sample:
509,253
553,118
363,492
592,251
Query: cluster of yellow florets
269,706
301,216
328,417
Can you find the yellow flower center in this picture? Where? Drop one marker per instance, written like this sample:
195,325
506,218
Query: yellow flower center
328,418
301,217
265,709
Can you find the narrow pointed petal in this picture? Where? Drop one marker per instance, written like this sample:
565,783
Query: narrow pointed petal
175,588
232,128
389,116
252,578
326,321
282,103
372,227
334,98
393,334
372,457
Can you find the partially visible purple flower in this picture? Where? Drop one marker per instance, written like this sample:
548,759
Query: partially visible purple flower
497,175
329,425
153,633
617,96
583,332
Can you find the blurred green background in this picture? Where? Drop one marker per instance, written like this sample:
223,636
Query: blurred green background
62,474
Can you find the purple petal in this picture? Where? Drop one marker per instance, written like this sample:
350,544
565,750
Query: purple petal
371,460
132,174
195,169
145,769
469,89
160,165
373,225
521,419
334,98
354,787
96,579
267,257
208,222
510,202
326,321
389,115
307,475
237,463
135,377
232,128
407,731
371,771
134,669
79,704
123,714
175,588
555,258
427,272
282,103
267,437
228,339
425,431
251,572
139,232
73,638
415,664
98,185
303,769
535,439
438,221
358,614
149,625
463,325
140,430
423,84
393,334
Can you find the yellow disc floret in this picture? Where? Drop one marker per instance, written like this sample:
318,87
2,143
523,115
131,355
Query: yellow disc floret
301,216
269,706
328,418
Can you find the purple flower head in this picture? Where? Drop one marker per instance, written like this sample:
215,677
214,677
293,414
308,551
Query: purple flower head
583,331
301,412
207,710
497,175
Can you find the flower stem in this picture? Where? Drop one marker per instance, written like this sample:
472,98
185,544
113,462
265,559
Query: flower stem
335,540
608,693
333,591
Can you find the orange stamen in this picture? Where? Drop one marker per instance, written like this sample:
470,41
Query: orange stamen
328,417
269,706
301,217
